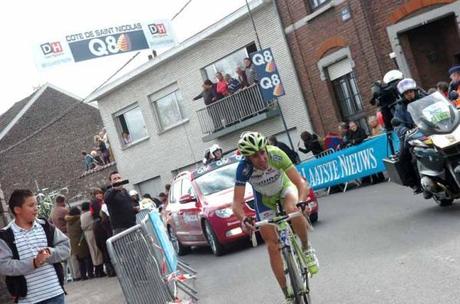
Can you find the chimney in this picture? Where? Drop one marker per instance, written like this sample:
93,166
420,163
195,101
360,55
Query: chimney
153,55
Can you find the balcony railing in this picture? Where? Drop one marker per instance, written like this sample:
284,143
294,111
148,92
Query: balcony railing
232,109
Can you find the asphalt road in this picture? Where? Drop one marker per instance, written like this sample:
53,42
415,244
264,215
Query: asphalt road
377,244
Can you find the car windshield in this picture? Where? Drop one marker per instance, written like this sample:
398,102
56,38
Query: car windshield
217,180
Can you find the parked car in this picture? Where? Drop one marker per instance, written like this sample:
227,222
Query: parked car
199,210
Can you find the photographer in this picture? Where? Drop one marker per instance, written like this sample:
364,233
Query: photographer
385,95
118,201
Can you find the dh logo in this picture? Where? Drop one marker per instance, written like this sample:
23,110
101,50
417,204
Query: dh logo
157,29
51,48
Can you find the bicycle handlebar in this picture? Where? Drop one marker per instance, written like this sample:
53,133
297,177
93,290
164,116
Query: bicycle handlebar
278,219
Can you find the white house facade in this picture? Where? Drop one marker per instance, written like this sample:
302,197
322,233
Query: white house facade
168,130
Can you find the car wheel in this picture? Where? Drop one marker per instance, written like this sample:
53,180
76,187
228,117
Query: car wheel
178,247
314,217
443,202
213,242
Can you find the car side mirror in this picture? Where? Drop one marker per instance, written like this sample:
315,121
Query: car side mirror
187,198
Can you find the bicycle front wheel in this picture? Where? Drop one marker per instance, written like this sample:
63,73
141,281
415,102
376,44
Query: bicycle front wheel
295,276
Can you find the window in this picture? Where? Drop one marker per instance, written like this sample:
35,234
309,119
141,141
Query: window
175,192
315,4
187,187
131,125
169,110
229,63
348,96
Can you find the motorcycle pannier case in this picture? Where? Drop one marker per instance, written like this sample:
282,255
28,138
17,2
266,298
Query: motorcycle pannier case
395,171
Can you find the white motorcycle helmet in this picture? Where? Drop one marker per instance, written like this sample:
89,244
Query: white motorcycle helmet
392,75
405,85
214,148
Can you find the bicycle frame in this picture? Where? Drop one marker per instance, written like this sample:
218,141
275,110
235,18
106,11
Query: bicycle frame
286,237
288,240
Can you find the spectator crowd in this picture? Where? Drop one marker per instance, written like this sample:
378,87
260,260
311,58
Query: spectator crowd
224,86
39,255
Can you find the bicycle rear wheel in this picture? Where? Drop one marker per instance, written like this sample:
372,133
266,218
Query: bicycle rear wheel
295,275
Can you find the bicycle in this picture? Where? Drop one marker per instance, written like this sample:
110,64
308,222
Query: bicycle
295,260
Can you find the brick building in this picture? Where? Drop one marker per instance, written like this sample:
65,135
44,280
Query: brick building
51,158
341,47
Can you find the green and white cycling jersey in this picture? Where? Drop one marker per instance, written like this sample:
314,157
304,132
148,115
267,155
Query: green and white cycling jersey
270,185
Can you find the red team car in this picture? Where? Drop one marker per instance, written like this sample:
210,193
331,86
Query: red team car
199,209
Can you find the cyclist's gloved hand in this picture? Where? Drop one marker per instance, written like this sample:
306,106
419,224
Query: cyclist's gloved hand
304,206
247,224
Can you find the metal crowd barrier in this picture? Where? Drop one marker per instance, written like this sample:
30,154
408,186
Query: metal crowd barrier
137,269
172,271
144,272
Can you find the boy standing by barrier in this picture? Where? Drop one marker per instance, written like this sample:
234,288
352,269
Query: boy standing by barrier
31,250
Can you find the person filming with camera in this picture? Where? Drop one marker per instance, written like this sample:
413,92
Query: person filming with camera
118,201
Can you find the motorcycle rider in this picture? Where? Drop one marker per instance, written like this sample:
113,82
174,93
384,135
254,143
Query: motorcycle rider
403,122
409,93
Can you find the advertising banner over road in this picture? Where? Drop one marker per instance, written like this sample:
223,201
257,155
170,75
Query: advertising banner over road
267,74
103,42
347,164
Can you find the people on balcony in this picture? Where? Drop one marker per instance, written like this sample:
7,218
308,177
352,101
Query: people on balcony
242,77
209,93
233,84
222,86
250,71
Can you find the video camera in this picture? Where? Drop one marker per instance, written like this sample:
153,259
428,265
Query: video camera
118,184
385,97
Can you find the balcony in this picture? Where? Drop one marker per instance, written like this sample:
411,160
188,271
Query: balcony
235,112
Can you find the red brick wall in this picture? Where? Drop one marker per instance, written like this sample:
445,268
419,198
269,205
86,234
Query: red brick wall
366,36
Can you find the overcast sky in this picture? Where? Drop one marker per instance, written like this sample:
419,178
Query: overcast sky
27,23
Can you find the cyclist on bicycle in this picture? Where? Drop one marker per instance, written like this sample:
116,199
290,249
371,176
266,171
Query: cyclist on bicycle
273,178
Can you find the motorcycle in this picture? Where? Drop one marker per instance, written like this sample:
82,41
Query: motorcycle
435,145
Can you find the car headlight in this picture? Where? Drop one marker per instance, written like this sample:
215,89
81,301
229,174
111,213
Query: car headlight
224,213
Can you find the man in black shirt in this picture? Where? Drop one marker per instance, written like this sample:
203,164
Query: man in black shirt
293,156
118,201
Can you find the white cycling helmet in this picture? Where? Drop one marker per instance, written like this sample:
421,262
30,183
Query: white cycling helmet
392,75
132,192
406,84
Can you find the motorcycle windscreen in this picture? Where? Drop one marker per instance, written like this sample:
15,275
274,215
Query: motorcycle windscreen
434,114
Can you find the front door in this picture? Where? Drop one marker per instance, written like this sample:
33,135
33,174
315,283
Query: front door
431,49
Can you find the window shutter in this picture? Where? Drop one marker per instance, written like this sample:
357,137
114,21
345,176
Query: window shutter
339,69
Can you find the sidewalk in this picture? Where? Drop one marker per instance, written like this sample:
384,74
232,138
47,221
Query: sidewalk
94,291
